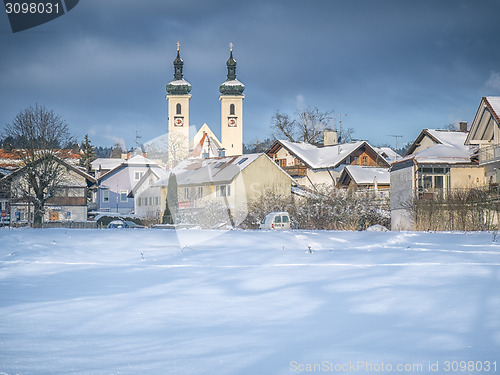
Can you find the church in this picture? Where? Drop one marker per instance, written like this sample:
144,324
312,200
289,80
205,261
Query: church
204,143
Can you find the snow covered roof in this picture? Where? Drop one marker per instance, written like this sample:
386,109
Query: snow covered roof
362,175
442,154
448,137
322,157
494,102
209,171
106,163
388,153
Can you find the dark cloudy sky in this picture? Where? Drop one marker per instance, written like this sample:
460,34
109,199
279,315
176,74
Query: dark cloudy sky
393,66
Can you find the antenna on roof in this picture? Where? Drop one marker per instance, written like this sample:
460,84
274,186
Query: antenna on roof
396,137
137,137
340,126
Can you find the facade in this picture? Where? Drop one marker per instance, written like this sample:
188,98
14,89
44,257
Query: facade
230,183
485,134
69,202
358,177
149,200
432,173
114,187
312,166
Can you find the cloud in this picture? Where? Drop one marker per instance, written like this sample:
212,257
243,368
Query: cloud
494,81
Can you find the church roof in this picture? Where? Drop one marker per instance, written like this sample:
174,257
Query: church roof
178,86
231,86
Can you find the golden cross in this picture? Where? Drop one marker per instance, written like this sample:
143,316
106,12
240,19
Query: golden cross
178,45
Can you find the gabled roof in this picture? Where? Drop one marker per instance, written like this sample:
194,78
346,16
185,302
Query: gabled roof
159,173
388,153
440,136
137,160
323,157
441,154
61,161
362,175
487,119
213,171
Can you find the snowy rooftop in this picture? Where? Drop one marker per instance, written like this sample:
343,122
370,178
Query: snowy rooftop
206,171
106,163
321,157
448,137
366,175
388,153
495,104
443,153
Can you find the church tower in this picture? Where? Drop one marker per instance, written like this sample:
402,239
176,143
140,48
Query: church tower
232,109
178,113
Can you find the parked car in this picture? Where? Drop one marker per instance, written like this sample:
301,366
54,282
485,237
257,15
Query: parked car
123,224
276,220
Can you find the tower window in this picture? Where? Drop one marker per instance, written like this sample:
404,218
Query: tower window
178,109
231,110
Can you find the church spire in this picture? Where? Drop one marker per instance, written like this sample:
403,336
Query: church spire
231,86
178,86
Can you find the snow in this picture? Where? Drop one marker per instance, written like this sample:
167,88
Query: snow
495,104
321,157
244,302
366,175
233,82
179,82
451,138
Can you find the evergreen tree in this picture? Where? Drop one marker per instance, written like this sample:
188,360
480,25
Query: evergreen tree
172,204
87,153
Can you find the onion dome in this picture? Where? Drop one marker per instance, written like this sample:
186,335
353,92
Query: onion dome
178,86
231,86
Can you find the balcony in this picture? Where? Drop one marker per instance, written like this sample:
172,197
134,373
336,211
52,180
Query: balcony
489,154
296,170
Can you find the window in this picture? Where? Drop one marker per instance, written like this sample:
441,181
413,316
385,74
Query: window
76,192
231,110
277,219
365,160
150,201
242,161
139,202
178,109
223,190
123,195
157,201
105,195
200,192
138,175
285,219
356,160
282,163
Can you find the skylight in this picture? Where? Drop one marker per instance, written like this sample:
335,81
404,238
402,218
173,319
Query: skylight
242,161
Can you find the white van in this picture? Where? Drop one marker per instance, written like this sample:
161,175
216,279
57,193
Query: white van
276,220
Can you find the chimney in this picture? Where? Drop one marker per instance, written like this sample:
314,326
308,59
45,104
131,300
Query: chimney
329,138
463,126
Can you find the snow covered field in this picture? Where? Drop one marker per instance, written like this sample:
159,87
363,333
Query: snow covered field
248,302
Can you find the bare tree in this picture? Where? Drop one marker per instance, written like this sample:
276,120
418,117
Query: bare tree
42,135
307,126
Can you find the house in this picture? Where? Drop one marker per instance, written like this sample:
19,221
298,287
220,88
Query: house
230,183
373,179
114,186
440,164
13,159
485,133
312,165
148,200
69,202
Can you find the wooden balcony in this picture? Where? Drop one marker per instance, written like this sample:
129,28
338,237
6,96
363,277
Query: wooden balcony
296,170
